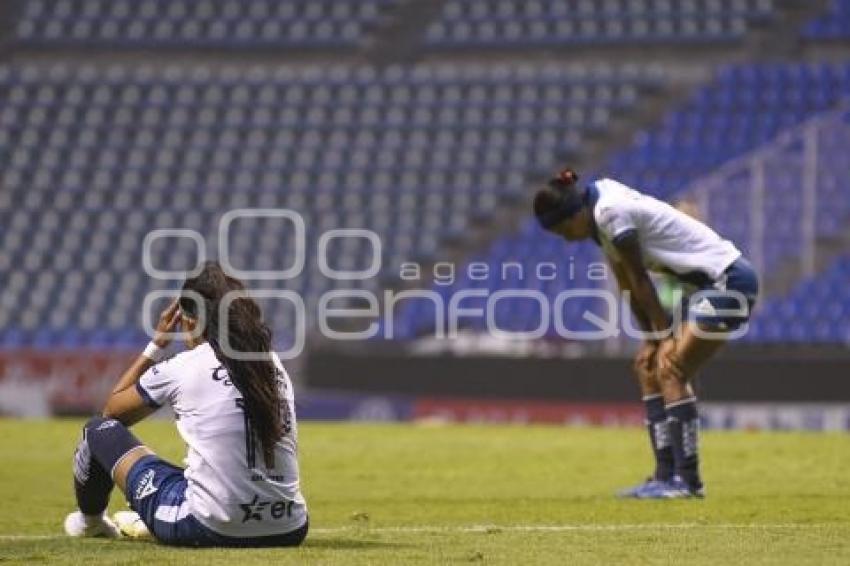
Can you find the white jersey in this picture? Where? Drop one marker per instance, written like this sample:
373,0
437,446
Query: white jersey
229,489
670,240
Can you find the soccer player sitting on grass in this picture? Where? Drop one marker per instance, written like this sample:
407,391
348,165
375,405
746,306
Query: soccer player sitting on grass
637,232
241,484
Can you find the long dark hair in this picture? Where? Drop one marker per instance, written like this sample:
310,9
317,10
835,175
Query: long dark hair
255,379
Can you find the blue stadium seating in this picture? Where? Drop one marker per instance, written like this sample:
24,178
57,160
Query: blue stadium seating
834,24
512,264
816,310
746,106
200,23
99,156
482,23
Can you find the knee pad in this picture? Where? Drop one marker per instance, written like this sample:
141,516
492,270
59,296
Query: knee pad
108,441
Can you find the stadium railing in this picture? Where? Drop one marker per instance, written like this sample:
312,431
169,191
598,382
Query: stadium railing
777,201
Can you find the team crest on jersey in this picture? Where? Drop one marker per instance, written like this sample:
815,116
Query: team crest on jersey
146,486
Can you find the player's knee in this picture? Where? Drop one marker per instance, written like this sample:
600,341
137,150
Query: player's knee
96,426
108,440
668,376
94,422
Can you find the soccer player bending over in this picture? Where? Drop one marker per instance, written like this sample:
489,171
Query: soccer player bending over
241,483
637,232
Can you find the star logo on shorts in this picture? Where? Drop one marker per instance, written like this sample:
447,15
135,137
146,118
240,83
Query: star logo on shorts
254,510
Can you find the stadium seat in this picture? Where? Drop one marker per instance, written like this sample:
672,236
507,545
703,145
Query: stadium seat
730,116
100,156
211,23
501,23
834,24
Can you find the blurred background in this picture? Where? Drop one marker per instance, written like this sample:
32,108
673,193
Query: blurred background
430,123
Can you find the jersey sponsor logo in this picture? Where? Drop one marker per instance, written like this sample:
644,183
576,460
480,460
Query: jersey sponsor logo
220,375
257,510
146,486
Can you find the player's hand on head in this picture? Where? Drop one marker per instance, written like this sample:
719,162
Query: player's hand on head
168,322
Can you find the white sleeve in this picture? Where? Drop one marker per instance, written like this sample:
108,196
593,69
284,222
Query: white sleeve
614,221
158,386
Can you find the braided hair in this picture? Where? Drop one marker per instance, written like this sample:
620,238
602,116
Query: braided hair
245,331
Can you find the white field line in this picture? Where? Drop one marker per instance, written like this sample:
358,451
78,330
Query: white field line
495,529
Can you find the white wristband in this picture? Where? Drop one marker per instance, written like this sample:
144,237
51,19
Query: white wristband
154,352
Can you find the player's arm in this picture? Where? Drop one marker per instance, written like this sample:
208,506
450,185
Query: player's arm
624,285
644,297
125,403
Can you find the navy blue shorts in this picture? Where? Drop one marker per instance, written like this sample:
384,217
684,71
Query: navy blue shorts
156,490
727,303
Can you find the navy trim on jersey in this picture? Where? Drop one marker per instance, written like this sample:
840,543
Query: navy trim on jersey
146,397
699,279
631,232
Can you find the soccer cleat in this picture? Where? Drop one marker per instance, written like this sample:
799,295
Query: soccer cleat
675,488
131,525
638,491
680,489
78,525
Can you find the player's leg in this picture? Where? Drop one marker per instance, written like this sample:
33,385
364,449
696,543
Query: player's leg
645,369
656,416
721,309
105,445
691,353
108,455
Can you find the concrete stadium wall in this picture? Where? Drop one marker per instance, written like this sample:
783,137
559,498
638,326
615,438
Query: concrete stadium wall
741,376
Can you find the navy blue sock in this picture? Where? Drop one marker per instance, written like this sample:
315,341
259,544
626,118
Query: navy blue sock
684,437
104,443
659,436
92,484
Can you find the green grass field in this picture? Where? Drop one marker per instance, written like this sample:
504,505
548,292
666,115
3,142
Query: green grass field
390,494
